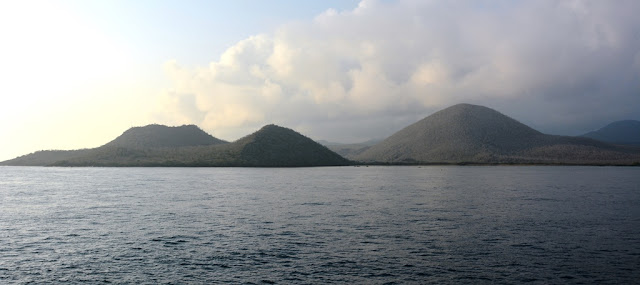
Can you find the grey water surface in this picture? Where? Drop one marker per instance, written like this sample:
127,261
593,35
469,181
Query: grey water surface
363,225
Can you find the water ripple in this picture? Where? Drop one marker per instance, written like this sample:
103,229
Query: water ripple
375,225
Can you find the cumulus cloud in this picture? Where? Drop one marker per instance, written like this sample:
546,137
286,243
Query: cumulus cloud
560,66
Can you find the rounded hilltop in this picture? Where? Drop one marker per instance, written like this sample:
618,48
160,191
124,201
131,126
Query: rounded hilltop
467,133
188,145
273,145
155,135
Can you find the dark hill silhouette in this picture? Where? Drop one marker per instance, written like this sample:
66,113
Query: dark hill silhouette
277,146
459,134
163,136
620,132
467,133
158,145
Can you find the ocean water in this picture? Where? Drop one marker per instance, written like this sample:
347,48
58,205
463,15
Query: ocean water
363,225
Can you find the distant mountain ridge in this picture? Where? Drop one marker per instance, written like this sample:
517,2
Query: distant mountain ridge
350,150
466,133
619,132
460,134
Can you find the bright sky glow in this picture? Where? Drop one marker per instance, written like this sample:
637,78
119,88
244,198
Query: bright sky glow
76,74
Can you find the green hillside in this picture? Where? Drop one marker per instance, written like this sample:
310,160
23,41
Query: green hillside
163,136
156,145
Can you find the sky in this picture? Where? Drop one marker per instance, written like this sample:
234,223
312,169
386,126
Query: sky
76,74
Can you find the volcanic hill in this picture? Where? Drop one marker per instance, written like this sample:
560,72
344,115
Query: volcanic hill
467,133
157,145
163,136
275,146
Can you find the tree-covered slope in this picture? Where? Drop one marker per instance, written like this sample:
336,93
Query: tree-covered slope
156,145
137,145
46,157
163,136
459,134
277,146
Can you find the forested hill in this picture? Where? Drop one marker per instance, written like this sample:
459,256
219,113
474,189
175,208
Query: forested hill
461,134
156,145
467,133
163,136
274,146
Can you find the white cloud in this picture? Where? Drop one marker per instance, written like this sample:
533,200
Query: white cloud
393,63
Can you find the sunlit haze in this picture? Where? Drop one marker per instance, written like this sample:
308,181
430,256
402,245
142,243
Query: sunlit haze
76,74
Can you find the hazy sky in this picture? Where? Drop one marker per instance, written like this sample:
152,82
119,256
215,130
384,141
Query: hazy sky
77,74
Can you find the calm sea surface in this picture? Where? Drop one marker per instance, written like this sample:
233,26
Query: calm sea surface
364,225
